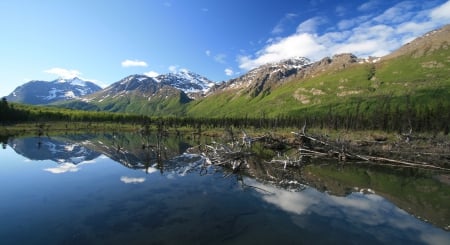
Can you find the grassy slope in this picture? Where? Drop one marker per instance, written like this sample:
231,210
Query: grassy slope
425,80
156,106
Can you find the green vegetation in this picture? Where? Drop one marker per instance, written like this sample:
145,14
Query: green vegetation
394,95
390,95
165,103
413,190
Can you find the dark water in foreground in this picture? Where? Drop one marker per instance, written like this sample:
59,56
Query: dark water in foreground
110,189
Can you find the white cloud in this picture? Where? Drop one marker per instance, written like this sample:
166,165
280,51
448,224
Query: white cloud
220,58
299,44
63,73
183,70
63,168
69,74
363,211
208,53
441,13
350,23
67,167
229,72
134,63
414,28
310,25
279,28
368,5
131,180
397,14
365,35
151,74
173,68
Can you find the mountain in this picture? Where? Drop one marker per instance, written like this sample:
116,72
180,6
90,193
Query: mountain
54,149
190,83
413,80
144,95
264,78
45,92
424,45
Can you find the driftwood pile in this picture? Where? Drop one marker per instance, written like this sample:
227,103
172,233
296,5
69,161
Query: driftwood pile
235,153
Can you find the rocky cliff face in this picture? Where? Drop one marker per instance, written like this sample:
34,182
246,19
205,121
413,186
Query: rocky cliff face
264,78
267,77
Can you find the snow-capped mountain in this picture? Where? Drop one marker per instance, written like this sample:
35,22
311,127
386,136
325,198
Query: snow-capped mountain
46,92
186,81
45,148
139,84
146,95
263,78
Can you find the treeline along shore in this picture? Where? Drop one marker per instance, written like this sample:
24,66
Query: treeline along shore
385,117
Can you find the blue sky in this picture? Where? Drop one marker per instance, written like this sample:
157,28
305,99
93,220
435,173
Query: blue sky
104,40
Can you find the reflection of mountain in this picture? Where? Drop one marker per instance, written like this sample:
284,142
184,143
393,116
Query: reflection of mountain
412,190
135,150
131,150
54,149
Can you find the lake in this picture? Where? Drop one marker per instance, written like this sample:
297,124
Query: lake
110,188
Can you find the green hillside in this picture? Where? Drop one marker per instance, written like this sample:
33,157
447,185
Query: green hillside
402,88
168,103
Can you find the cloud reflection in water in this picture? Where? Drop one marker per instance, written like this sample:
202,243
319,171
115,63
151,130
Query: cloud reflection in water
131,180
367,213
66,167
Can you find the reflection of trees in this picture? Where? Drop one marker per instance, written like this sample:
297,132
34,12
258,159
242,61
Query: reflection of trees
411,189
142,150
280,168
57,149
155,152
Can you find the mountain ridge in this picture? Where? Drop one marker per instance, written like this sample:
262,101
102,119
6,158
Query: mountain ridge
46,92
344,83
290,86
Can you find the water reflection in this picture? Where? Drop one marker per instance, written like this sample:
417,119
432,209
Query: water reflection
58,149
168,195
368,213
131,180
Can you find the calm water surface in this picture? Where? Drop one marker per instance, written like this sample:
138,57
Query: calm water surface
110,189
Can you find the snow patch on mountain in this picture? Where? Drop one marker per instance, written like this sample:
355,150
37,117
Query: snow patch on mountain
187,81
45,92
77,82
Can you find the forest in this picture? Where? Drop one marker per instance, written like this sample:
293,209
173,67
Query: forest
383,116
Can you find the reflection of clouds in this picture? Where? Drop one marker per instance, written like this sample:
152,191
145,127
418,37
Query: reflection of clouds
288,201
435,238
150,170
67,167
368,212
63,168
131,180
